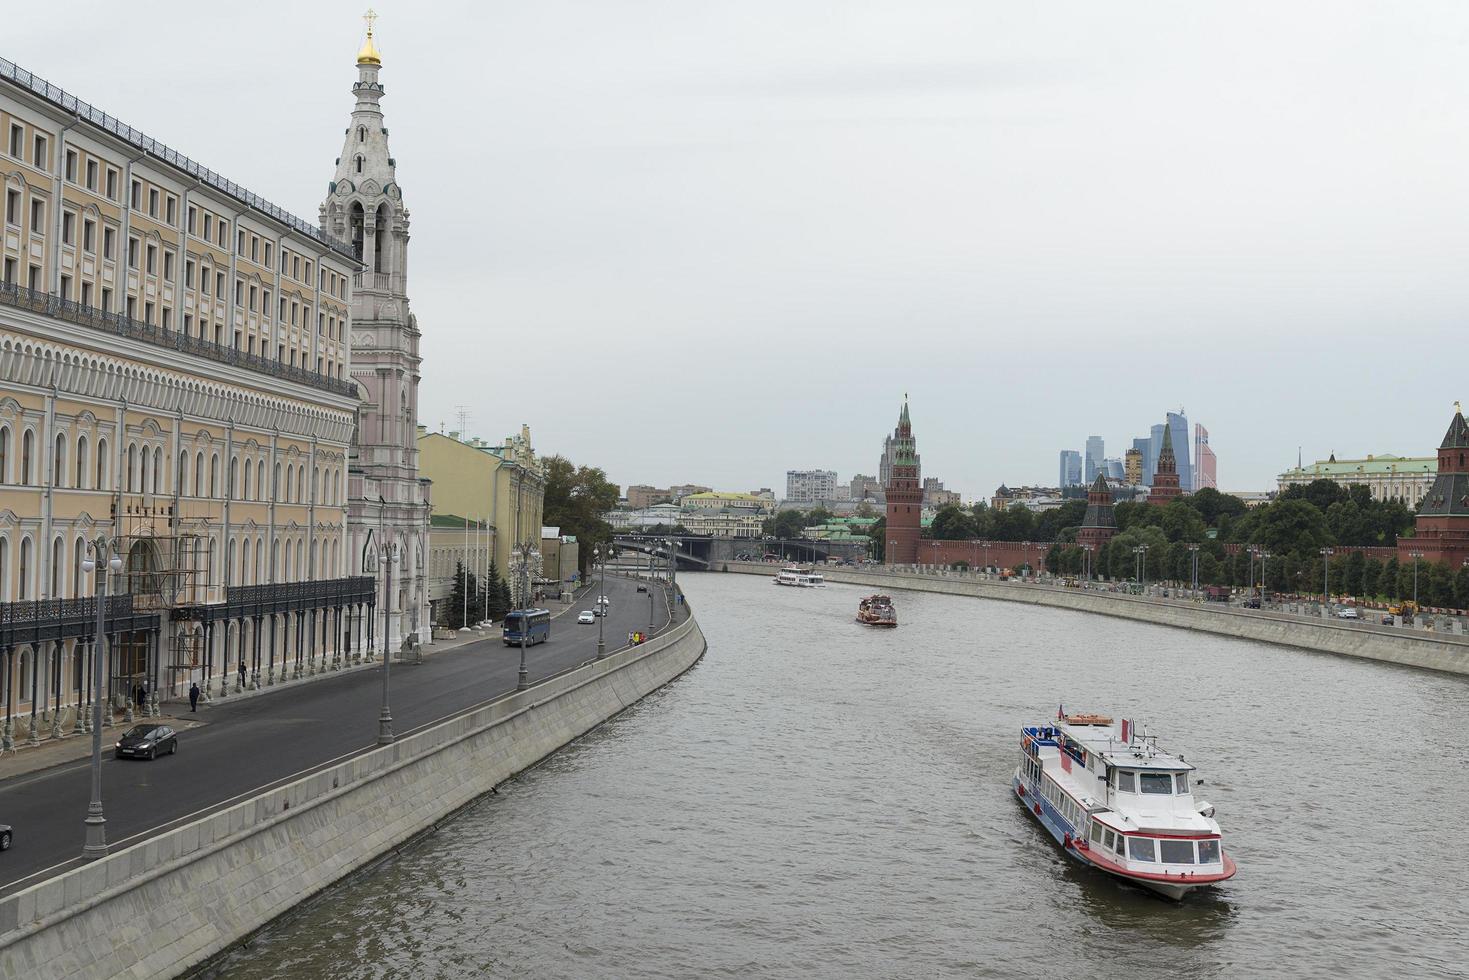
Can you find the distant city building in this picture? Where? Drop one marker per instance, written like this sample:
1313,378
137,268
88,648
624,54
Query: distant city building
1441,529
1114,468
681,490
640,495
724,523
1070,475
1099,525
560,555
1032,498
1155,446
1403,478
1165,485
904,495
811,484
865,488
1095,452
1132,466
645,518
713,500
1205,463
1252,498
1145,449
1183,460
935,496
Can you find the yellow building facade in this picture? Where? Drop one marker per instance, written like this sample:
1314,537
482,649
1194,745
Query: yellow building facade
503,485
173,380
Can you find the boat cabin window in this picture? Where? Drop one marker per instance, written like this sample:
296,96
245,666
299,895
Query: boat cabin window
1158,783
1208,852
1177,851
1182,778
1125,781
1096,832
1141,849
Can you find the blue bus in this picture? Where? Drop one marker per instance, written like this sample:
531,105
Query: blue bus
533,624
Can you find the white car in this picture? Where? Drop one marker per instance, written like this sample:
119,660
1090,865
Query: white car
1347,612
586,617
603,601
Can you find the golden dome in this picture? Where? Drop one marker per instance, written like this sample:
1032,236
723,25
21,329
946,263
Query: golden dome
368,55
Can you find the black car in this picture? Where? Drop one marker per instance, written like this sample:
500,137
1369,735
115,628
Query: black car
147,742
642,588
4,837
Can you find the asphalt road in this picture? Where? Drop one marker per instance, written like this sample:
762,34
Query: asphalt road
252,743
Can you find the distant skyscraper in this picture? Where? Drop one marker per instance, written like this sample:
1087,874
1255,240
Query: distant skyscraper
1149,457
1095,451
1132,467
1205,463
811,485
1182,439
1114,468
1070,468
1150,465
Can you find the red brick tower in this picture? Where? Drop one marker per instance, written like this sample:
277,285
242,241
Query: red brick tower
1441,529
1165,480
904,496
1098,527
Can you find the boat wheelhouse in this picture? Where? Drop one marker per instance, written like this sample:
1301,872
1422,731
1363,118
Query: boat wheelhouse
804,578
877,610
1115,801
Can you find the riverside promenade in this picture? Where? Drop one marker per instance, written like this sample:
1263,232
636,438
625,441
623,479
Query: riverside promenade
1432,650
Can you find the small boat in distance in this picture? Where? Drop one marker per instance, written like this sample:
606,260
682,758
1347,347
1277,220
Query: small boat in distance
877,610
1115,801
801,578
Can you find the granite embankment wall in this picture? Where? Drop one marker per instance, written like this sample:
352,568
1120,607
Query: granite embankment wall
163,906
1415,648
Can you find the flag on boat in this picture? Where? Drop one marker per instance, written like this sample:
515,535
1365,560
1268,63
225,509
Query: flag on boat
1060,712
1126,731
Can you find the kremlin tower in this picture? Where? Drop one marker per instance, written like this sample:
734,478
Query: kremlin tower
1165,480
1098,527
904,496
1441,529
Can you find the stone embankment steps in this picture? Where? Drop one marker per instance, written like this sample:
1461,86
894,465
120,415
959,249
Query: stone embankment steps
1430,651
163,906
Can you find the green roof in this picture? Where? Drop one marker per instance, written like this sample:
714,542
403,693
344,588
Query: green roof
1384,465
453,520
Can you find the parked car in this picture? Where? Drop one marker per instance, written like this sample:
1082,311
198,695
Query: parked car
1253,602
147,742
586,616
1347,612
603,601
4,837
642,588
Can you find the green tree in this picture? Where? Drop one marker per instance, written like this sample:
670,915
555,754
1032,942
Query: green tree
1371,578
952,523
454,611
879,535
786,524
576,498
499,594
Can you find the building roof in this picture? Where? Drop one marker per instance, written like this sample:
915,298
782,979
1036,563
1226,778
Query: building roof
1458,435
455,521
732,495
1383,465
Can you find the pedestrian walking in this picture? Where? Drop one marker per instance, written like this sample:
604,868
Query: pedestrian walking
242,671
142,696
194,696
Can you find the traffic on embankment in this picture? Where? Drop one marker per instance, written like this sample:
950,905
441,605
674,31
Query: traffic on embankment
1428,649
172,895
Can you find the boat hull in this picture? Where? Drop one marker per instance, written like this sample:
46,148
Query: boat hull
872,622
1042,811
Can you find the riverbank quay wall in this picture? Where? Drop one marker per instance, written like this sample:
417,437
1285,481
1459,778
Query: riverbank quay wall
1389,644
168,904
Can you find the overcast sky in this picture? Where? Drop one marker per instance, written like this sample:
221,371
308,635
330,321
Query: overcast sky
697,242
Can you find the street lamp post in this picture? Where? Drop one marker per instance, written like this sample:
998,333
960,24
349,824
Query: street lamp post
96,823
601,607
522,679
1326,554
1142,566
1415,555
1264,557
388,557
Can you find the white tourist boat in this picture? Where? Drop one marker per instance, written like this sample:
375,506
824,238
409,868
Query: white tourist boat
1115,801
801,578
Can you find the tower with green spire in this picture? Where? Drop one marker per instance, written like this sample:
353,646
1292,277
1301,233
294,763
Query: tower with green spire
1165,479
904,495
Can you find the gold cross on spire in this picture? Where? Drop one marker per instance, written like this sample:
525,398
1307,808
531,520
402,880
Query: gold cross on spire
369,17
1457,409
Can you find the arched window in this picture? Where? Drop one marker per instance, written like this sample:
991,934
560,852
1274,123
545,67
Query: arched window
275,486
57,567
23,573
260,489
4,569
212,575
158,482
275,558
183,472
380,239
25,672
78,555
58,462
301,485
359,163
230,568
84,464
312,568
245,492
301,559
356,222
214,475
234,484
315,479
27,442
103,463
288,561
259,547
199,474
131,477
362,134
4,456
290,472
244,561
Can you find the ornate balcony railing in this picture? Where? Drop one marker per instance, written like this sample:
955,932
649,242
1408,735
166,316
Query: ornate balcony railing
39,86
242,601
25,298
39,620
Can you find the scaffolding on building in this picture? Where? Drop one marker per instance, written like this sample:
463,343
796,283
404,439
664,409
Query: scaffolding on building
166,563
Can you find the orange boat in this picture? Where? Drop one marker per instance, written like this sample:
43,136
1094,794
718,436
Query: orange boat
877,610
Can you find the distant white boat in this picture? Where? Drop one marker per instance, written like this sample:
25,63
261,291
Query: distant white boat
801,578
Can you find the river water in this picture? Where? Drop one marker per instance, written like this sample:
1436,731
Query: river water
817,799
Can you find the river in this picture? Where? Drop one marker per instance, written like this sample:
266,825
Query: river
817,799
